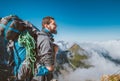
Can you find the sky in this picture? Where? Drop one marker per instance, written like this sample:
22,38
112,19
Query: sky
77,20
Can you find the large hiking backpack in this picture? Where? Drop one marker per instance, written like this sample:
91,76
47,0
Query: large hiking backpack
26,33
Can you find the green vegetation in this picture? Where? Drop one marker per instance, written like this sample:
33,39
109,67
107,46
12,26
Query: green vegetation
77,60
75,48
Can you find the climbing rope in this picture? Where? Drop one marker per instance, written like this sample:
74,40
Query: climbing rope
26,40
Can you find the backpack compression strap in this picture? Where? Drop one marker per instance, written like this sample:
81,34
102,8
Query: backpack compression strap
7,27
14,30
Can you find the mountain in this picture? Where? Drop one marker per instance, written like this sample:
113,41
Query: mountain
75,48
70,58
79,55
73,55
108,57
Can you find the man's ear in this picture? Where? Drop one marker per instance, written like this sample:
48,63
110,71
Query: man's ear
44,25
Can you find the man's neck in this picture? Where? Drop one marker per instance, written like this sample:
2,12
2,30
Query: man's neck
46,30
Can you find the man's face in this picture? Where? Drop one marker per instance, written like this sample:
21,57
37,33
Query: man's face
52,27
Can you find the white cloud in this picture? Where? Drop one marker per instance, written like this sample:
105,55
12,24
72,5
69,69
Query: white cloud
113,47
101,65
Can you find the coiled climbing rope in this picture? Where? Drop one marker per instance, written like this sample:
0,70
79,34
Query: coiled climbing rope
26,40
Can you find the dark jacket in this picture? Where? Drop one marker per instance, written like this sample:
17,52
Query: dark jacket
45,53
45,48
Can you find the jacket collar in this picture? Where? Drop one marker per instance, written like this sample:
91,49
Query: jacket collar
47,31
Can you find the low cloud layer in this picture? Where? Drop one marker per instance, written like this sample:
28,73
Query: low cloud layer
101,65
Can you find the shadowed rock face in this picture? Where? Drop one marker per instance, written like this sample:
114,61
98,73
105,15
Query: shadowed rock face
63,56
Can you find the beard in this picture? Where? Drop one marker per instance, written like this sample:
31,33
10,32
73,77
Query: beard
54,31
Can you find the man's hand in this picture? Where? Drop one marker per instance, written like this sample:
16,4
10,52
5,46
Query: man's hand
50,68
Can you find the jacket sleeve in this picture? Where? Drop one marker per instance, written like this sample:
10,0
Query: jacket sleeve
46,51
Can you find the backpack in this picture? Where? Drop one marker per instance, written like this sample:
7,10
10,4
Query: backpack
31,33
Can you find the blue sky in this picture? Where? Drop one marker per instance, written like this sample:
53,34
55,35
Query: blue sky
77,20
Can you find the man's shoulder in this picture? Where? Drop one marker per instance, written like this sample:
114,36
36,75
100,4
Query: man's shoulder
42,36
42,33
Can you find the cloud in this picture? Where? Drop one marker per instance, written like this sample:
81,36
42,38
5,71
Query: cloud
101,64
113,47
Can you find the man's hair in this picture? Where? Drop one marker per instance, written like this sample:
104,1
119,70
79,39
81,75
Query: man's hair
46,20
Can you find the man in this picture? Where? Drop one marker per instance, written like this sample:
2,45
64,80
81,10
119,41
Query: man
46,49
